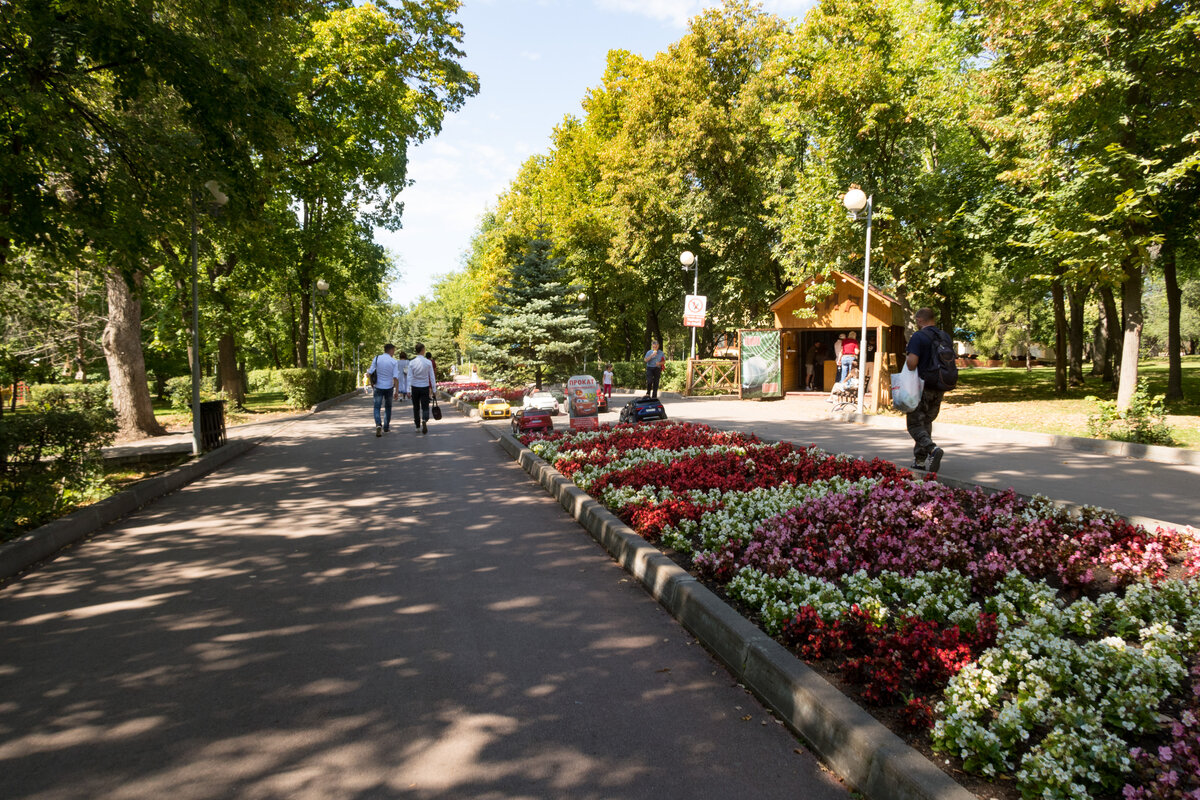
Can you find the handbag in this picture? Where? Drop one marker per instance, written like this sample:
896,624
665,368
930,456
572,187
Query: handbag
906,390
434,410
371,373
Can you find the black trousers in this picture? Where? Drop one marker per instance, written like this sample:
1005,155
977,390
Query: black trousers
420,400
653,374
920,423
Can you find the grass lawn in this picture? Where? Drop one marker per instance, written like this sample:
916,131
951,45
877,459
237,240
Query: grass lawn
1021,400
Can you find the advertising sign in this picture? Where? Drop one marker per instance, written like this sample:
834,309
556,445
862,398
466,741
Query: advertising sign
694,308
583,403
761,364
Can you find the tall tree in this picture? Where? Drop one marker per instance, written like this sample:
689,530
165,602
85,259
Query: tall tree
539,328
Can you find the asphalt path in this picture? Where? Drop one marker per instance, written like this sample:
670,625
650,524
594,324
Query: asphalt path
339,616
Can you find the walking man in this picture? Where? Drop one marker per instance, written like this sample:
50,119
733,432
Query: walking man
421,384
385,372
655,358
923,357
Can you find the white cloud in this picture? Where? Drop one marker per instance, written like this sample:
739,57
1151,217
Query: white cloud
531,56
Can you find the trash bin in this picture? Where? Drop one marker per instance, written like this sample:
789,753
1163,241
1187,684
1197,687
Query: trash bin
212,424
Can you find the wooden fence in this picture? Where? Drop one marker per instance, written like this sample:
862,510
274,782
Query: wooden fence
722,374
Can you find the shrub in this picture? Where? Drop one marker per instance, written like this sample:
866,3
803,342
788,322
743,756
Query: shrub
71,395
632,375
264,380
307,387
48,459
1145,422
179,392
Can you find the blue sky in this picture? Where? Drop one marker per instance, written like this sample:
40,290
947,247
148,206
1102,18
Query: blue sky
535,60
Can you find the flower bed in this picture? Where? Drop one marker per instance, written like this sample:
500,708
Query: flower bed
1058,648
477,396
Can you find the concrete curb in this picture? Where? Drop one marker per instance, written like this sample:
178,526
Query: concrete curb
861,750
1079,444
40,543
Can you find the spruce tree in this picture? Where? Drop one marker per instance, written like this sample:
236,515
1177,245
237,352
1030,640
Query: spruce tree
539,327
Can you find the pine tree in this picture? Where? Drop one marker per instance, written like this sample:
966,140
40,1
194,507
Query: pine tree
539,327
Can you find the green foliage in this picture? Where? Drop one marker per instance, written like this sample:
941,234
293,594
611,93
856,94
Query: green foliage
264,380
538,330
632,375
49,458
179,392
304,388
81,396
1144,422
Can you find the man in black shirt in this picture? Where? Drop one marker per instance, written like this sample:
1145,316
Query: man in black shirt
922,356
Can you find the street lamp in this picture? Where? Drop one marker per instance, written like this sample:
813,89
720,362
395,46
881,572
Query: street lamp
689,259
855,201
583,299
321,287
219,199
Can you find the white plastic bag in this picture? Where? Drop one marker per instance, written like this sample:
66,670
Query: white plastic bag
906,390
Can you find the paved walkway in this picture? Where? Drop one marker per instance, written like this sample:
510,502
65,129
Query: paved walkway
1132,487
339,616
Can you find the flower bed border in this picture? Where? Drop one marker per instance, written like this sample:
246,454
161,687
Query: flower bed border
853,743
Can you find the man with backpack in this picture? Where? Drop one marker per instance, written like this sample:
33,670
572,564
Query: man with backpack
931,354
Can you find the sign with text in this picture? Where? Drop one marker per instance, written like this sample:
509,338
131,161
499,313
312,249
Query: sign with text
694,308
761,364
583,404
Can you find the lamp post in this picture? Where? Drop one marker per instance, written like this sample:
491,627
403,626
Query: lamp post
219,199
321,287
689,260
855,201
583,299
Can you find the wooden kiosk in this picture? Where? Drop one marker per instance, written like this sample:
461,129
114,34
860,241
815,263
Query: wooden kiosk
840,312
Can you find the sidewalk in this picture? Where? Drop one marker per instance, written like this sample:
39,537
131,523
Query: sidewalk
995,458
339,616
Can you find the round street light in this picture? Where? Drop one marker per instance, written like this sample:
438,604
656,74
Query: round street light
855,200
689,259
321,287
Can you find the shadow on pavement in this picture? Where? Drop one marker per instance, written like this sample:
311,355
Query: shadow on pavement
340,616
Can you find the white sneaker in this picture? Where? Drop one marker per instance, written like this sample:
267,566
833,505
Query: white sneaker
379,430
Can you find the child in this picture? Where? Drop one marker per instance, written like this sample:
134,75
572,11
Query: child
848,385
606,381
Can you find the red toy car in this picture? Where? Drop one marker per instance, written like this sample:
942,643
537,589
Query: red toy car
531,419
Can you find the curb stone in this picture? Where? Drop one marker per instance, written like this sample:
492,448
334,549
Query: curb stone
854,744
42,542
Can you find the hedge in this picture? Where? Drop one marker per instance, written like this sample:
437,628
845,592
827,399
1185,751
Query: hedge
84,396
307,387
632,375
52,459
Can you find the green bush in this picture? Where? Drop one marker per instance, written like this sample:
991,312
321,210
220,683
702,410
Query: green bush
1145,422
632,375
49,459
71,395
304,388
264,380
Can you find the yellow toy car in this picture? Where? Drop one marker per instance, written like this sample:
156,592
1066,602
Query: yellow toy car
494,408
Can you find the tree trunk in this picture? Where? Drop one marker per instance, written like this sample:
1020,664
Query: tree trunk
1076,297
1060,337
126,363
1174,308
231,379
1131,339
1099,345
1112,329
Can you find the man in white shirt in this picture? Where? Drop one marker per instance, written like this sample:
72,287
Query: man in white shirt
387,387
421,385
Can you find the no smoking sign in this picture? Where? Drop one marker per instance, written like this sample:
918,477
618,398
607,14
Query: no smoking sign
694,308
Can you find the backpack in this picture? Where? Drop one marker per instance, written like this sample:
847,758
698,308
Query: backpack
944,367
